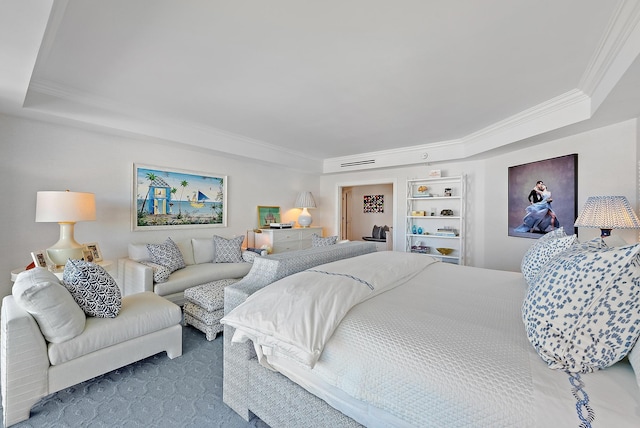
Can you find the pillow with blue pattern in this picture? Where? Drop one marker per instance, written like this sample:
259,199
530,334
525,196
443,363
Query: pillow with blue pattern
545,248
93,289
228,250
318,241
582,313
167,254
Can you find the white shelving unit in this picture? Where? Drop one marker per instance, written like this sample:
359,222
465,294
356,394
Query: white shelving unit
436,229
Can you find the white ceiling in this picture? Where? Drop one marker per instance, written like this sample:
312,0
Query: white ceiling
310,82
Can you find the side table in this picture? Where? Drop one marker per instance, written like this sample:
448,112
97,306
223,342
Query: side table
106,264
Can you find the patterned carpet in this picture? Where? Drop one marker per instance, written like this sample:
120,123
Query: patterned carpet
155,392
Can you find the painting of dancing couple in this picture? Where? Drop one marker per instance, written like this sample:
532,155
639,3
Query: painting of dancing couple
543,196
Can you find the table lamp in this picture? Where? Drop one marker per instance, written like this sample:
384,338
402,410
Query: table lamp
65,208
606,213
305,200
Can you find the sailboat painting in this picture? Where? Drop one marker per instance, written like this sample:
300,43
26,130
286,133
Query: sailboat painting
170,198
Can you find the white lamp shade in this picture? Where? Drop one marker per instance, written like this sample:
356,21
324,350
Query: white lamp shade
608,212
65,208
305,200
69,207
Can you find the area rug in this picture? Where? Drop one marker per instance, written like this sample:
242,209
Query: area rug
154,392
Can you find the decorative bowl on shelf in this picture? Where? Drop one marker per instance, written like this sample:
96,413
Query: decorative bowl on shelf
445,251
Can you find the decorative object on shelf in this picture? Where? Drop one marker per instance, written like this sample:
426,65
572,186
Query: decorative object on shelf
447,191
445,251
166,198
418,213
435,173
606,213
268,215
96,254
422,249
305,200
414,229
422,192
419,231
532,209
66,208
373,204
446,213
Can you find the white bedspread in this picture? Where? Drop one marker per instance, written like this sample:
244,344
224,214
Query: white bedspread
444,347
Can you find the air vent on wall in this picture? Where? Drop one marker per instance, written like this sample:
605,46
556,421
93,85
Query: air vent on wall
357,163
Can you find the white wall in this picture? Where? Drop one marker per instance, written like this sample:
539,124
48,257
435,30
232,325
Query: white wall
41,156
607,165
607,159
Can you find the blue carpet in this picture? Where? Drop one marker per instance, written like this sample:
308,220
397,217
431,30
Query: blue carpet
154,392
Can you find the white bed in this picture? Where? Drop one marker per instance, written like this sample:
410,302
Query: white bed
433,344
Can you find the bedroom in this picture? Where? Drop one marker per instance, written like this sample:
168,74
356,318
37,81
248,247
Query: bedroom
41,149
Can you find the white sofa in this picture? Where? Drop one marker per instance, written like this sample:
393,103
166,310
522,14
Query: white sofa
199,256
47,345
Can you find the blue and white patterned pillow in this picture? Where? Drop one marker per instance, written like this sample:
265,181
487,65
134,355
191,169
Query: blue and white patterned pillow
160,273
167,254
92,288
545,248
228,250
317,241
583,311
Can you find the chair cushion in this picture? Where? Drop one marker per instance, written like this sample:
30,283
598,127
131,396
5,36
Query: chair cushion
40,293
141,314
209,296
95,291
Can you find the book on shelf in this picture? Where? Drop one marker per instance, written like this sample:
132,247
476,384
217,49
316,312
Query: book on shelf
446,232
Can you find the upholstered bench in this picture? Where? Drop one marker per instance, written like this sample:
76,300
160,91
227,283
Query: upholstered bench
205,306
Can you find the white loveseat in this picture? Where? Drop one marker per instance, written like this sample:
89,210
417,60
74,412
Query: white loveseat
202,266
48,344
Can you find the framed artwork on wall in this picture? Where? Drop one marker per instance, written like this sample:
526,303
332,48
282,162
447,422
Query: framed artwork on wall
169,198
543,196
268,215
373,204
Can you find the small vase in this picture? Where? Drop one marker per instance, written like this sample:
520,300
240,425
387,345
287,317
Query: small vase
419,231
413,229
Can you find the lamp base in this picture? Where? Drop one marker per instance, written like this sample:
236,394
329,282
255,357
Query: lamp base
66,248
304,219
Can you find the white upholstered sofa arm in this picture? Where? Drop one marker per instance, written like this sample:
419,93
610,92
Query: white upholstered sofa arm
24,362
134,277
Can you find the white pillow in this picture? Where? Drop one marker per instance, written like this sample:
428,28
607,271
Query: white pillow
634,359
139,252
203,250
582,313
542,251
40,293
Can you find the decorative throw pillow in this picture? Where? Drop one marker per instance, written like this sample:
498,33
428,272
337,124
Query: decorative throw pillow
92,288
375,233
317,241
542,251
583,311
228,250
167,254
160,273
40,293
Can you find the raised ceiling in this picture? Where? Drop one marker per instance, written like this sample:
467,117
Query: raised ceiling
320,83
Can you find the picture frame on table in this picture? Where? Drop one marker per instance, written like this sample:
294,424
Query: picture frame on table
94,249
268,215
40,258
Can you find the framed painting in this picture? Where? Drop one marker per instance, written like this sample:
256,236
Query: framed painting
373,204
268,215
168,198
543,196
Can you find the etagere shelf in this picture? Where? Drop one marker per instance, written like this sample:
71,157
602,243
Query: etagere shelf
436,217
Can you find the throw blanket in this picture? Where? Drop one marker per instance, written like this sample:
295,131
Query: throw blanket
317,299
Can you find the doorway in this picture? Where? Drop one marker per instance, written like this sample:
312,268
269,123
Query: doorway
363,206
